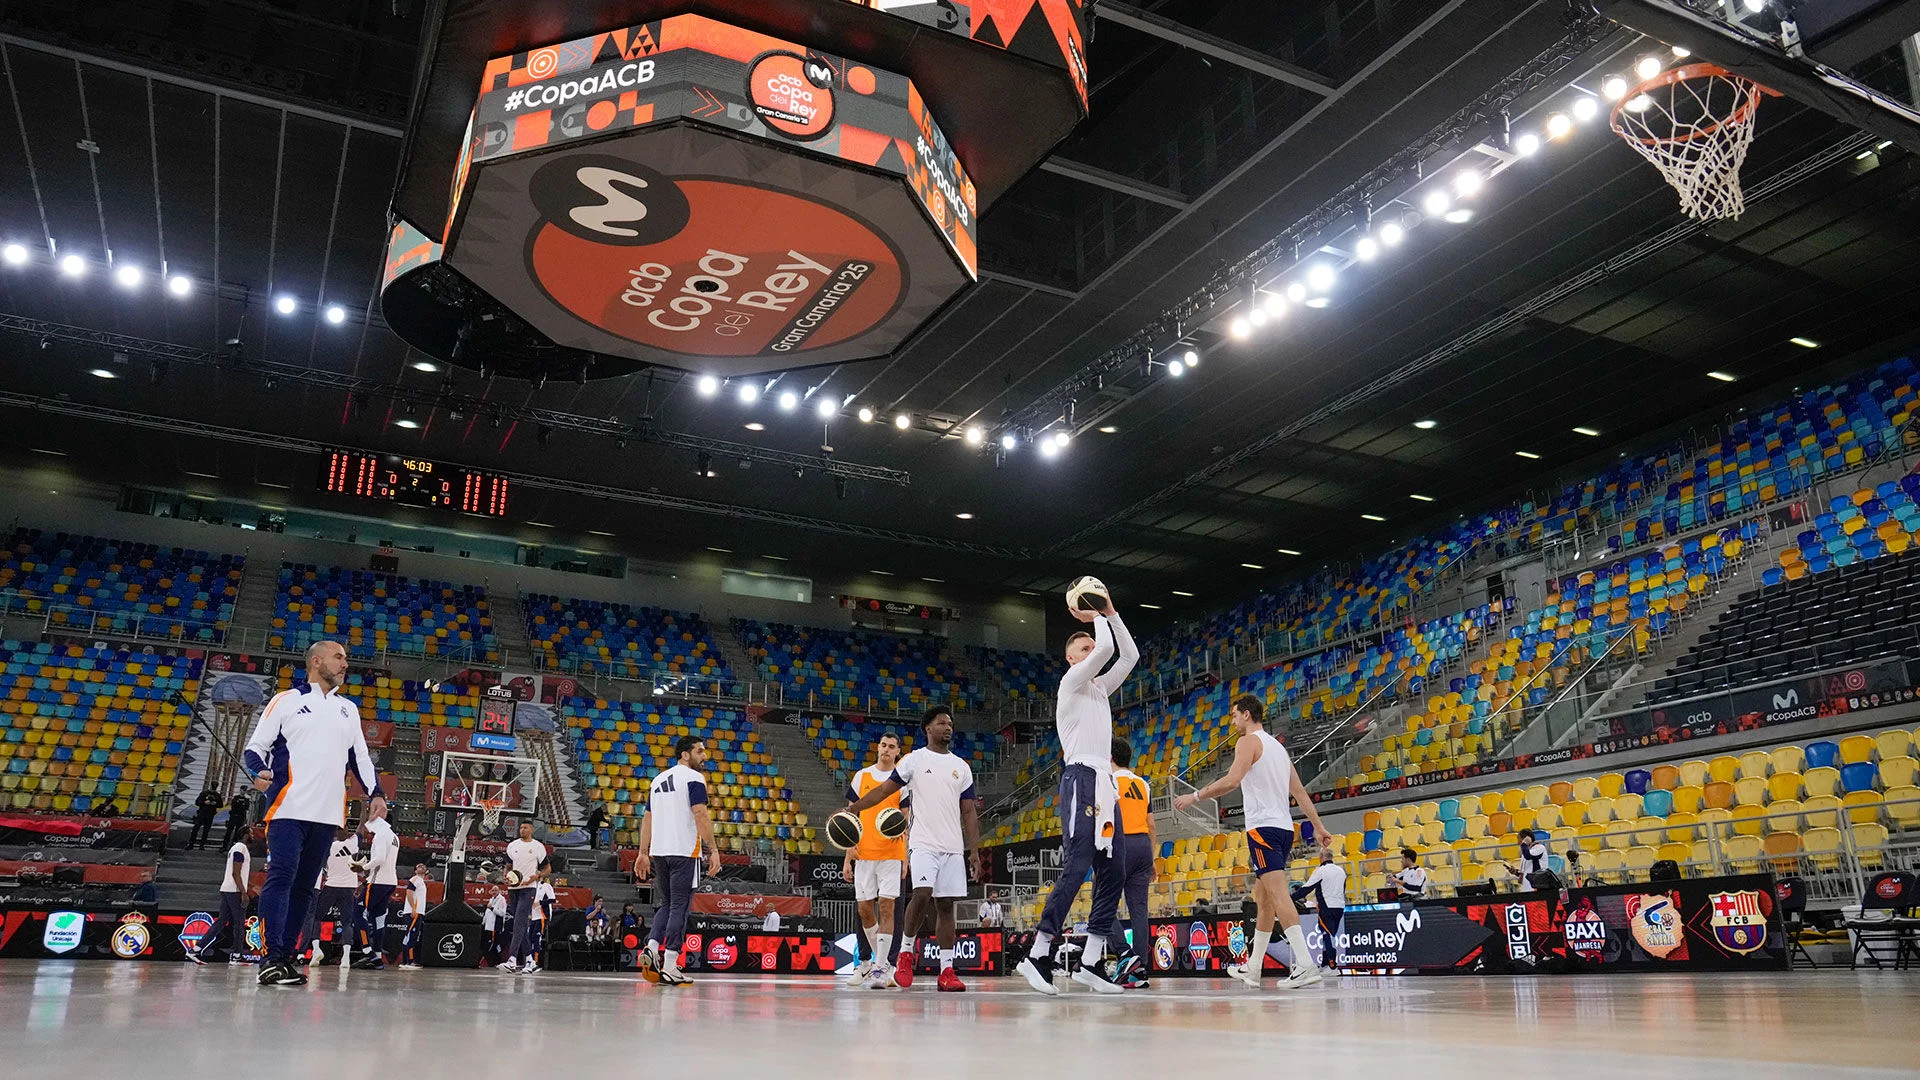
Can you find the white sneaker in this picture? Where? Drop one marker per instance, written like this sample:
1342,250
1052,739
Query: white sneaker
531,969
859,972
1091,977
409,967
1304,975
510,967
1246,973
881,978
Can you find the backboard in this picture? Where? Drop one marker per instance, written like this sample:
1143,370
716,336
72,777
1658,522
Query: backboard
468,781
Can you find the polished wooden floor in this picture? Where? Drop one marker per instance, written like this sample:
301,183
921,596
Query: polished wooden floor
160,1021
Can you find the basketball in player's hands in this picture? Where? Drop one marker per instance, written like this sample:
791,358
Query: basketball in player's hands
843,830
890,821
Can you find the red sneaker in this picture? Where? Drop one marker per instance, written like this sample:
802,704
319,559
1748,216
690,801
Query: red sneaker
903,971
950,983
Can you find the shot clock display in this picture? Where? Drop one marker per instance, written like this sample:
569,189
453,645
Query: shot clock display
413,482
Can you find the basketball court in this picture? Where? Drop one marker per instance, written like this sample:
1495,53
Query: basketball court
480,1024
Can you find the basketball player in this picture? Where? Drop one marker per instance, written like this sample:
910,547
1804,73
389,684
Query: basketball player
1266,778
544,899
1136,845
383,853
299,754
873,865
1087,797
234,886
1328,887
413,911
339,892
494,922
528,858
944,838
674,831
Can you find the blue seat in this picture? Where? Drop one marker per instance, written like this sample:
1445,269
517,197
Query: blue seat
1637,781
1657,803
1859,776
1370,840
1456,829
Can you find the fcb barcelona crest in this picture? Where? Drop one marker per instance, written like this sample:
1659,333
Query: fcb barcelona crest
1739,924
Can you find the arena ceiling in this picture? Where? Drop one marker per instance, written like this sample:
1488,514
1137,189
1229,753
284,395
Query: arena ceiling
252,146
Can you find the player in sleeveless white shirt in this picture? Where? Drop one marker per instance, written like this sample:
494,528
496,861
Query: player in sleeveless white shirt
943,838
674,832
413,911
1264,773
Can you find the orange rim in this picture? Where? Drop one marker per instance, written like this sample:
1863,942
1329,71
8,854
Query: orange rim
1751,93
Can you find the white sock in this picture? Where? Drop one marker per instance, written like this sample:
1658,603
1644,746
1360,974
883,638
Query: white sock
906,946
882,945
1042,945
1096,949
1257,956
671,961
1297,941
946,959
872,934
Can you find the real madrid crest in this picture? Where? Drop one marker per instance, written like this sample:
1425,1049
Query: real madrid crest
131,938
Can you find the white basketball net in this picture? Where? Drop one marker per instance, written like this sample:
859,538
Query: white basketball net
1694,123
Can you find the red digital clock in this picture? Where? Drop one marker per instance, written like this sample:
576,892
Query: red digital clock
414,482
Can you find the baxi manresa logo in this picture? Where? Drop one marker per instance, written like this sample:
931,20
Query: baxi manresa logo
705,265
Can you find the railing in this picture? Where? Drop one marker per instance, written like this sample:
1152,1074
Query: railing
1835,849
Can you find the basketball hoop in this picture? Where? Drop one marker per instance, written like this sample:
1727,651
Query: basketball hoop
490,811
1695,123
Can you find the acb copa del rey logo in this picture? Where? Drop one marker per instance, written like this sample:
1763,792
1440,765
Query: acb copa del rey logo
708,266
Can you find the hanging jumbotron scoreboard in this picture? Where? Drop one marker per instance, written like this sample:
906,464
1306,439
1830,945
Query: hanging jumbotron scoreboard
729,187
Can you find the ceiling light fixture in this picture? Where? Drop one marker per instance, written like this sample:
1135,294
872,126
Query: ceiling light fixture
1721,376
1008,442
1175,368
286,305
1647,68
1526,144
1320,277
179,284
749,393
1061,439
756,426
902,421
1238,329
964,516
1391,233
1373,517
1613,87
825,409
1179,592
1274,305
1286,551
1366,248
1421,498
1805,343
707,386
882,573
1109,430
336,314
974,435
1049,448
723,551
425,365
1296,292
865,414
1585,108
1641,103
789,401
1149,607
406,422
1191,358
104,373
1253,566
1681,52
1558,125
1468,184
127,275
73,266
14,254
1458,217
1435,203
1587,431
1319,302
1528,454
1426,425
1258,316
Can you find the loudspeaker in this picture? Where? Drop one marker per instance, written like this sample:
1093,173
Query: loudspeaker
451,945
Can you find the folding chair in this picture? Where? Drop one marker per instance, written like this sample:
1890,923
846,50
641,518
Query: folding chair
1896,893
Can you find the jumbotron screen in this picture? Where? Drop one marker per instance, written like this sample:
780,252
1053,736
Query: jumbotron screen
414,482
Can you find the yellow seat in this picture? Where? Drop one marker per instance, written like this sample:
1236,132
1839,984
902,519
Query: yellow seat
1545,817
1511,801
1679,853
1869,844
1898,771
1619,835
1469,805
1680,828
1724,769
1903,806
1713,822
1607,864
1428,811
1750,791
1756,763
1857,748
1611,784
1783,816
1641,859
1821,781
1477,826
1591,837
1693,773
1599,810
1822,846
1689,798
1783,784
1627,806
1389,817
1862,806
1821,811
1893,744
1585,788
1573,814
1536,796
1788,759
1742,853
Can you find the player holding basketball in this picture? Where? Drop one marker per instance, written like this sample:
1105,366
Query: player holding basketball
943,840
1265,775
414,911
873,865
307,739
674,831
1087,797
527,861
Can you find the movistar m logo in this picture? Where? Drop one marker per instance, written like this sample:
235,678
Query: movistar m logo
617,205
1408,921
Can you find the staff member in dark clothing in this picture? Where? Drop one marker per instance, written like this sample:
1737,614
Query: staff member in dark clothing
596,817
204,809
239,816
